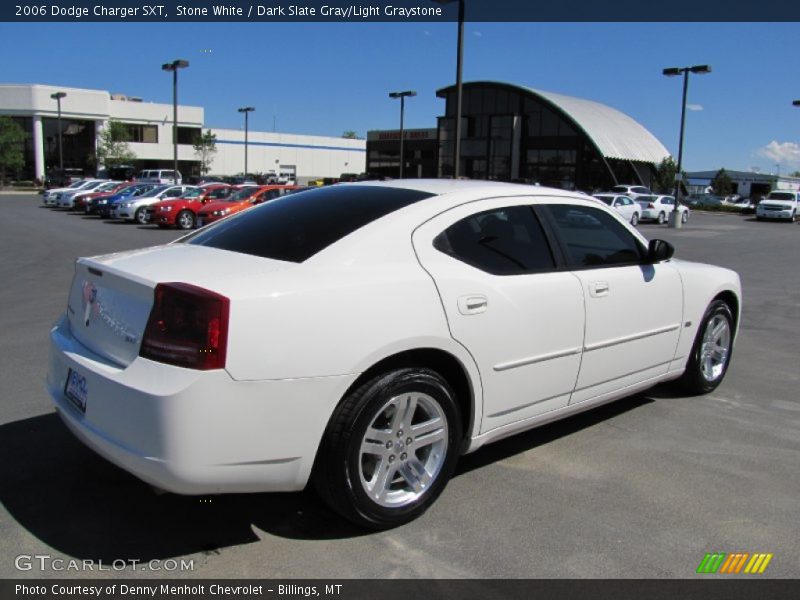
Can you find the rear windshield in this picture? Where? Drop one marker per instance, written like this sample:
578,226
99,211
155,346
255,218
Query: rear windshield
296,226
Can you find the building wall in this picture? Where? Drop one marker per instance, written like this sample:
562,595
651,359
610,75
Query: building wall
311,156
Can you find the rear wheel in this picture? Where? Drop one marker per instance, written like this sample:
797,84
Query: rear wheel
635,219
711,353
685,216
185,219
390,448
662,218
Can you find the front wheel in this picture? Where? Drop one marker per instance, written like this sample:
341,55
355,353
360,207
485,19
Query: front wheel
140,216
711,352
390,448
185,220
662,218
685,217
635,219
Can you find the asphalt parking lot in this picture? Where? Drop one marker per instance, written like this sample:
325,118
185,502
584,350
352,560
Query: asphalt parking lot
640,488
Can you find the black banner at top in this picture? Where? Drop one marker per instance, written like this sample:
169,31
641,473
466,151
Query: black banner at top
268,11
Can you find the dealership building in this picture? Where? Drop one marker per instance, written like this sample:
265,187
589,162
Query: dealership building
515,133
747,184
84,114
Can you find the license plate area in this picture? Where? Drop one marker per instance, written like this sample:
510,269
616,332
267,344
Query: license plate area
76,390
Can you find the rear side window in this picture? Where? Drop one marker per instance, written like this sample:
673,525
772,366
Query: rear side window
295,227
507,241
594,238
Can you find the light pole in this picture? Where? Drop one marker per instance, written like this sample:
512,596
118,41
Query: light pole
174,66
57,97
459,62
402,96
245,110
675,215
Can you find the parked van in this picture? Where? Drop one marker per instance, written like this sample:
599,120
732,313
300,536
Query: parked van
161,176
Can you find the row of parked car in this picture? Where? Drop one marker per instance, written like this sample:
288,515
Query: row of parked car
638,203
164,205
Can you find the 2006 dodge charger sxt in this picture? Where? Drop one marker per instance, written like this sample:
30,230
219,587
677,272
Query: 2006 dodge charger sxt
363,336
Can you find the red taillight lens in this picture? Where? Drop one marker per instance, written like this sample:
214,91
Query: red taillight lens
650,205
188,327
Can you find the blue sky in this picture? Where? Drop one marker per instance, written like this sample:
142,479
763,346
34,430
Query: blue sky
325,78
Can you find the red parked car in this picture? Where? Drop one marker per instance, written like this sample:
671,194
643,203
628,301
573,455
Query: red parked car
182,212
240,200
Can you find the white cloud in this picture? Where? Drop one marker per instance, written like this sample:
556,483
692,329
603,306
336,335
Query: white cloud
476,34
784,153
426,32
694,107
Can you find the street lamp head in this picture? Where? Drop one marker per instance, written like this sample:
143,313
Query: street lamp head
58,95
175,65
406,94
672,72
700,69
246,109
796,103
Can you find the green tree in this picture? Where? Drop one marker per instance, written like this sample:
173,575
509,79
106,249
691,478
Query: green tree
664,182
350,135
722,183
205,147
112,145
795,174
12,138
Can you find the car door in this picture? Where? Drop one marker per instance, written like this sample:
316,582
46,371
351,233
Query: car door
506,302
623,207
633,309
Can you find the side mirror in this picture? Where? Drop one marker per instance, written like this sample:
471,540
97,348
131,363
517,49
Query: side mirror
659,251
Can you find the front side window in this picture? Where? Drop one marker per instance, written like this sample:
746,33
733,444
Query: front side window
593,238
506,241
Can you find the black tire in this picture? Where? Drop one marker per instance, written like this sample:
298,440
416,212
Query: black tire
685,217
635,219
185,220
662,218
341,468
695,380
139,216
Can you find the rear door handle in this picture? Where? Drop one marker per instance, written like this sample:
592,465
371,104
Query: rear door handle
598,289
472,305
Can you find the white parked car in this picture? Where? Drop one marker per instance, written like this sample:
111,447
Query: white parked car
134,208
657,208
66,199
50,197
632,191
362,336
779,204
630,210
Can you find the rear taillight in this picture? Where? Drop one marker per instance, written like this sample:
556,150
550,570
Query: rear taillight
650,205
188,327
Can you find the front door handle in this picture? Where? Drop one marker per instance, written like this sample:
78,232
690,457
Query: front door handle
598,289
472,305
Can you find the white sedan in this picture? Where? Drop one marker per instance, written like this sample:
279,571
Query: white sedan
630,210
360,337
657,208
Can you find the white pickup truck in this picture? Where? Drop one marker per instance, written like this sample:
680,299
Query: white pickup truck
779,204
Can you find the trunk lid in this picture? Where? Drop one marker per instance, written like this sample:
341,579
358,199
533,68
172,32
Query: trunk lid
111,296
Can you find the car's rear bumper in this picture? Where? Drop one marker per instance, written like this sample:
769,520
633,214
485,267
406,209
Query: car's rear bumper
194,432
